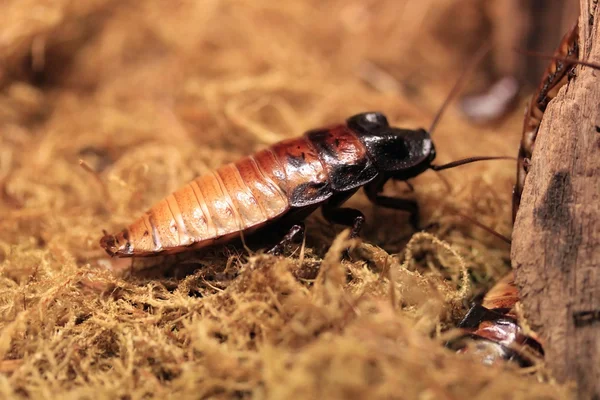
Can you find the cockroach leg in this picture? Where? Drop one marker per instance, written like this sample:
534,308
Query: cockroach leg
526,164
476,315
344,216
394,203
585,318
295,231
410,206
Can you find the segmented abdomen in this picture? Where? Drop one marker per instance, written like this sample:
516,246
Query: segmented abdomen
217,206
236,197
297,173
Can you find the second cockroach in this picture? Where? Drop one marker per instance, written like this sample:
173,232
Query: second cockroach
554,78
491,327
493,324
492,331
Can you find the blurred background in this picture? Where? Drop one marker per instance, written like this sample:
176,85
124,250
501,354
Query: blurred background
150,94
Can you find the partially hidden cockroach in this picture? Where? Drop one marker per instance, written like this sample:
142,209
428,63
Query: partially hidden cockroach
554,78
558,73
493,325
493,330
286,182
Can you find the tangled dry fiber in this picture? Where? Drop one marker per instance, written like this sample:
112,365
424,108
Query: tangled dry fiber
152,94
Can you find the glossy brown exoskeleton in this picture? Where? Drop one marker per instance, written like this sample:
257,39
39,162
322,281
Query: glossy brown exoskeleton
283,184
492,330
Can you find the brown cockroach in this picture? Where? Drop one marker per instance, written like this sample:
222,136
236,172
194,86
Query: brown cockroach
285,183
557,75
493,329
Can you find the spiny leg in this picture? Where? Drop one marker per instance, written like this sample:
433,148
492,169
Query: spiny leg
295,231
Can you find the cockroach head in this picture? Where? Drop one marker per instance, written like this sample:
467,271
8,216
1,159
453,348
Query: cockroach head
117,245
403,153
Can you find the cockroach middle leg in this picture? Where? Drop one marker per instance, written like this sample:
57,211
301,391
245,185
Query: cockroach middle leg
294,232
344,216
410,206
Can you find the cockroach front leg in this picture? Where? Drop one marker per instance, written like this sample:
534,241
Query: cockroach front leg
410,206
294,232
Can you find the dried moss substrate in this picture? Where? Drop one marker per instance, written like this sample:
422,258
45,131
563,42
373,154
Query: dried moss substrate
151,94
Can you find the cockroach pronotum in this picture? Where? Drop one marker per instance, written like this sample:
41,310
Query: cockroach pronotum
286,182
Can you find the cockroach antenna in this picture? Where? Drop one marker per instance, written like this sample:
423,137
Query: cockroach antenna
483,226
476,59
468,161
569,60
438,168
457,163
481,52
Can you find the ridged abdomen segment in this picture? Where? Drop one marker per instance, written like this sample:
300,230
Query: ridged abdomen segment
218,205
264,190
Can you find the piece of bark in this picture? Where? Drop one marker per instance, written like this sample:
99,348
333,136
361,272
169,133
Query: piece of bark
556,237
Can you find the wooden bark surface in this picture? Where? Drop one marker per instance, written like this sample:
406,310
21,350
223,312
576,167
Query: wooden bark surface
556,237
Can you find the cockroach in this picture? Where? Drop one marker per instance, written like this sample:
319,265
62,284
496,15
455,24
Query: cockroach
285,183
554,78
494,331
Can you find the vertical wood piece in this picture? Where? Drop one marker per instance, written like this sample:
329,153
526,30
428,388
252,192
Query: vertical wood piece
556,237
